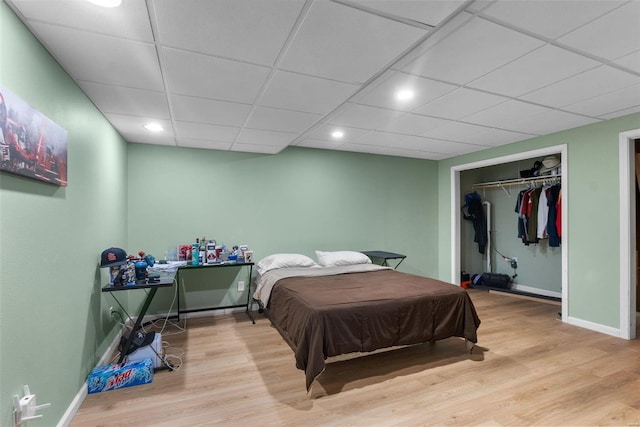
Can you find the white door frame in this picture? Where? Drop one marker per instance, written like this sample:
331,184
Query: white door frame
627,233
455,211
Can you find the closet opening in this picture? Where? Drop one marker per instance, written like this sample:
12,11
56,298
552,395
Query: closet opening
533,263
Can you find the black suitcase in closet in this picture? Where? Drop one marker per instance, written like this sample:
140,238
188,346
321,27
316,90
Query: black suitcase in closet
492,280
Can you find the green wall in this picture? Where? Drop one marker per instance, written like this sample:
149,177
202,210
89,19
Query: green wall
53,323
300,200
593,213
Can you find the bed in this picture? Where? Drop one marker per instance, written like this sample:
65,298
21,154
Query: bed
328,310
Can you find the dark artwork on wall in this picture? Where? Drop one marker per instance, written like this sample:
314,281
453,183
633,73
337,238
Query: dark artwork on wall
31,144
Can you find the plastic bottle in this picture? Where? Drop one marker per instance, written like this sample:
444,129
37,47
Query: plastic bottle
202,257
195,252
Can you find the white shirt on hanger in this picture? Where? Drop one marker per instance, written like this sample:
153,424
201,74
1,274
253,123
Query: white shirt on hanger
543,214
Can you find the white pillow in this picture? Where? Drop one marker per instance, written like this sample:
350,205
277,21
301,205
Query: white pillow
284,261
336,258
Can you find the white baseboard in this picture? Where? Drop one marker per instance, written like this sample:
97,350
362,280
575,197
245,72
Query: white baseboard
616,332
73,408
537,291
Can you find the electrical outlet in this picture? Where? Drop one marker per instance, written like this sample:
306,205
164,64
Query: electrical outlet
240,285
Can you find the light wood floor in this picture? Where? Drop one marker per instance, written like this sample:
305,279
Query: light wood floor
528,369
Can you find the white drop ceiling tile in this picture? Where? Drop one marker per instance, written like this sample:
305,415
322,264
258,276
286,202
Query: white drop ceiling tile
549,18
620,113
455,131
150,139
125,100
367,149
459,148
551,121
382,138
345,44
413,154
479,5
323,132
631,61
281,120
103,59
205,110
550,63
505,115
133,127
204,143
309,94
459,103
321,144
209,77
257,148
265,137
205,131
365,117
413,124
249,30
589,84
611,36
609,103
495,137
477,48
427,12
383,94
450,147
417,143
434,38
130,20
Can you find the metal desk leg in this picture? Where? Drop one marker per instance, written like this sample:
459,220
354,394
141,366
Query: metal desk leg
396,267
136,326
249,299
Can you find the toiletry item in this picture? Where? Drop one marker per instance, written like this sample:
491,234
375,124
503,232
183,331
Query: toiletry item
212,255
195,252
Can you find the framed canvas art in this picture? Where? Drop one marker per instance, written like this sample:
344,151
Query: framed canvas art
31,144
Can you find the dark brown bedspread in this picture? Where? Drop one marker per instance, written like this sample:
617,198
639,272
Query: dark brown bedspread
361,312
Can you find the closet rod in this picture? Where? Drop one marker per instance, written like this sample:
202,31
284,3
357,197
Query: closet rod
518,181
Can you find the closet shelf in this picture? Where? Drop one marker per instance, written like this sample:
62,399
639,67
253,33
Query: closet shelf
547,179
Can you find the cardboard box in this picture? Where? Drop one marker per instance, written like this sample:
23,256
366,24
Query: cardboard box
115,376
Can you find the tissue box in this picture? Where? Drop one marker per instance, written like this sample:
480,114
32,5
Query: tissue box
115,376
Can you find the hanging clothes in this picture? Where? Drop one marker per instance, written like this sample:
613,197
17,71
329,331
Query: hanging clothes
522,219
527,210
473,211
543,213
539,215
559,214
532,214
552,226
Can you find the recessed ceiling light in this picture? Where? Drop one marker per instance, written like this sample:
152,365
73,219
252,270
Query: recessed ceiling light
337,134
404,94
153,127
106,3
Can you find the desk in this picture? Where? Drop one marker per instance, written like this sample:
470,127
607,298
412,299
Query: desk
166,280
213,267
385,256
